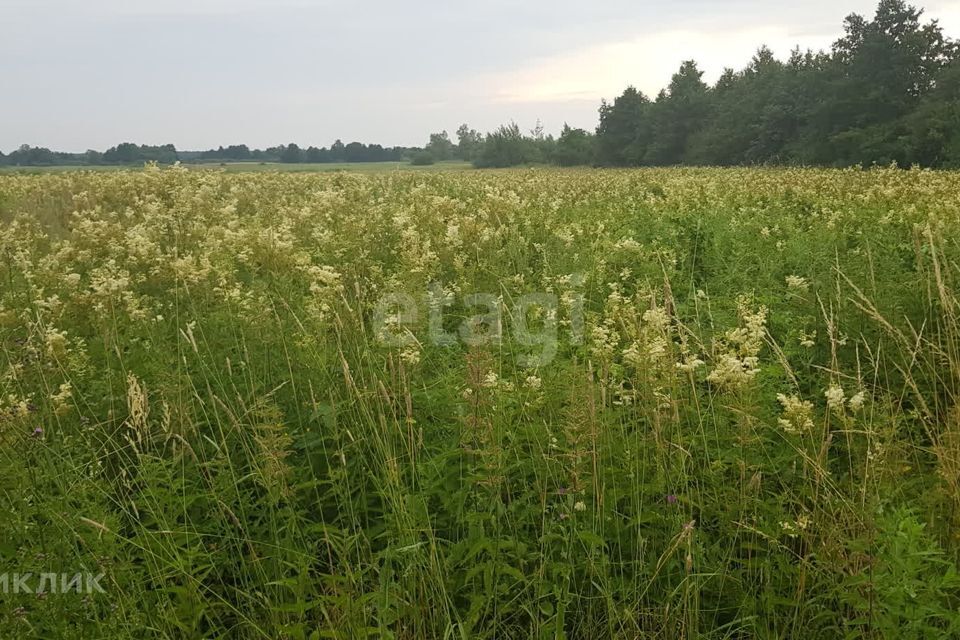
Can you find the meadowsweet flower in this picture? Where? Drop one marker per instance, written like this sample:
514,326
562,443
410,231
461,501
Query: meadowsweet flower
453,234
411,354
533,382
323,278
657,319
732,372
797,414
690,364
61,398
739,364
628,244
797,283
604,339
856,402
56,341
835,397
580,506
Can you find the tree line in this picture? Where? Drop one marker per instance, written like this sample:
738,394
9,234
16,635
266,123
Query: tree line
887,91
133,154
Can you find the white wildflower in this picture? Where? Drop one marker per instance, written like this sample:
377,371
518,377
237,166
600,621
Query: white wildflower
61,398
797,283
657,319
835,397
411,354
856,402
690,364
796,414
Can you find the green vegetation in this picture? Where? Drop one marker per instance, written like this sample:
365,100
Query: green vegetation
723,403
423,159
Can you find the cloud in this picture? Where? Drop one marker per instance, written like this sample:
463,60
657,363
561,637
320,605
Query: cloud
123,8
948,13
647,62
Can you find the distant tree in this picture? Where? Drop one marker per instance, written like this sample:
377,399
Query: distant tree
679,112
507,147
422,159
932,130
33,156
884,93
440,146
92,157
165,154
624,134
880,71
124,153
315,155
355,152
130,153
291,154
575,147
468,142
337,151
544,145
238,152
752,115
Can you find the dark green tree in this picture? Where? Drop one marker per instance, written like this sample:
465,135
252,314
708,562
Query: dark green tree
507,147
440,146
468,142
624,133
679,113
291,154
575,147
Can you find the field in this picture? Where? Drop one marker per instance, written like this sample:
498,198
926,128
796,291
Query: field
677,403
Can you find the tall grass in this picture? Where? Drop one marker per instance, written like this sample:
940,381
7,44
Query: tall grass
749,426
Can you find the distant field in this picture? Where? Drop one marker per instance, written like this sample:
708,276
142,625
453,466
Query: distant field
362,167
365,167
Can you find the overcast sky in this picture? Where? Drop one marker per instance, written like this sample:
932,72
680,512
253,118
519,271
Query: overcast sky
79,74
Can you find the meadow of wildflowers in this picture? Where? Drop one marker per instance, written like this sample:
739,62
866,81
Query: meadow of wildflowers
666,403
